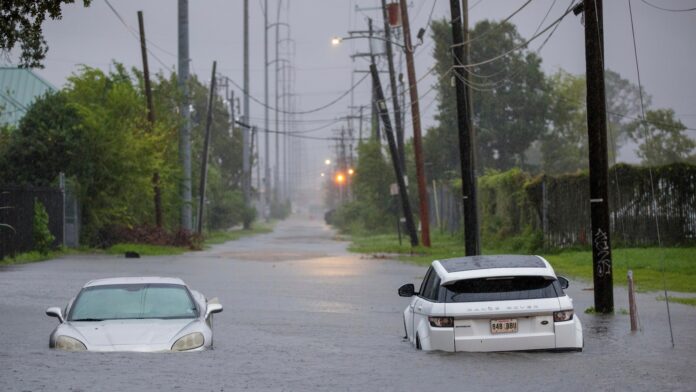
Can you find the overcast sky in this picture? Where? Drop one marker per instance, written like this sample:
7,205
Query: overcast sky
94,36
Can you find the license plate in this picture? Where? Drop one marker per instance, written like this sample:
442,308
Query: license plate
504,326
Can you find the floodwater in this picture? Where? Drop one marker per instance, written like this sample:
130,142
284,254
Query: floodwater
302,314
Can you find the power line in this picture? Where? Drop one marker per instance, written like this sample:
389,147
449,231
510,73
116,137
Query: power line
520,46
492,30
668,9
652,182
305,111
135,35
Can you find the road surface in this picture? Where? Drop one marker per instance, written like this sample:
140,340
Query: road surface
303,314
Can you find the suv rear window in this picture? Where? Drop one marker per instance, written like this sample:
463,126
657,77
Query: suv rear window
502,289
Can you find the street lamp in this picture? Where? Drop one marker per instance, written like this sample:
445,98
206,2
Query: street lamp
327,162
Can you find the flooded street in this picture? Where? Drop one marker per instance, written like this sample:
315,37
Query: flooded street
301,313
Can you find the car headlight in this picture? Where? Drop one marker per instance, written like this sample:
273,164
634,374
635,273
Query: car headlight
189,342
441,322
69,344
563,315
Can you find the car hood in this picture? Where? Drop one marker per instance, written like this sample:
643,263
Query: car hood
117,333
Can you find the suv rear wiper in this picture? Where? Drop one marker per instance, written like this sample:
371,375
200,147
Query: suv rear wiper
87,319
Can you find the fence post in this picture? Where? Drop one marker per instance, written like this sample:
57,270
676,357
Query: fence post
632,309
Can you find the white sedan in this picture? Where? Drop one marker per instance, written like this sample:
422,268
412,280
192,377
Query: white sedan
491,303
144,314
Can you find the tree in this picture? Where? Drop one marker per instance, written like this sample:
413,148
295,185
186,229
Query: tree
623,104
564,148
20,24
510,99
661,138
44,144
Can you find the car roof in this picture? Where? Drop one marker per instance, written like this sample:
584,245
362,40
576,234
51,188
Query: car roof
472,267
134,280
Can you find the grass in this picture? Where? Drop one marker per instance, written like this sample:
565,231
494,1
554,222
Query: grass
219,237
680,263
679,300
146,249
34,256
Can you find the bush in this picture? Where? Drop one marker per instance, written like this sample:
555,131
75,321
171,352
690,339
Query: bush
42,235
149,235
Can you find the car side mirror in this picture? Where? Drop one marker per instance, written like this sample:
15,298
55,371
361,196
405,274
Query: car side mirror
212,308
55,312
564,282
407,290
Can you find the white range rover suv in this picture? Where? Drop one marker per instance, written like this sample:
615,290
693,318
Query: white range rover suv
491,303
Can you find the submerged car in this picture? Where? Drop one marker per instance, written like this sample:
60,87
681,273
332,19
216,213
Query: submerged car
491,303
146,314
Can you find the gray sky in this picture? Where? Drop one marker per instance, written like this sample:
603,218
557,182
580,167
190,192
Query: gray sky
94,36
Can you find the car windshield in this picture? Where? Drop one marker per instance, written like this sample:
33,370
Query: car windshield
133,301
502,289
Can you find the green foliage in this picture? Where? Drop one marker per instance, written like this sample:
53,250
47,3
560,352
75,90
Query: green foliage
46,142
43,239
95,131
662,138
373,208
506,213
20,24
564,148
511,110
146,249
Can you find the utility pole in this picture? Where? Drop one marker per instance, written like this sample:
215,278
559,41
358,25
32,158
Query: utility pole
415,116
266,160
246,143
403,192
464,123
185,131
394,90
276,168
375,119
150,117
206,145
597,137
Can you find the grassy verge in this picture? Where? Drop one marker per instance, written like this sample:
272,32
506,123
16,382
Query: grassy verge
146,249
646,263
31,257
679,300
219,237
213,238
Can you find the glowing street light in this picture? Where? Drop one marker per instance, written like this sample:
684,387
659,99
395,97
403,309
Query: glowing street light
327,162
336,41
340,178
322,174
351,172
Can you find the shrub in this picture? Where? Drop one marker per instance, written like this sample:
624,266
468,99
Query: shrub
42,235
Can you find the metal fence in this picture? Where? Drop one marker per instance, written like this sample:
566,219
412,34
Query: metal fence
19,214
641,201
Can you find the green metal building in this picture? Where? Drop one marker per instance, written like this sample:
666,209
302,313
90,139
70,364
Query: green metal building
19,87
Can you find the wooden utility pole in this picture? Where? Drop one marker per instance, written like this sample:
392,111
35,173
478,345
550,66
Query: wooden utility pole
394,89
415,118
375,115
464,123
150,116
597,138
204,158
381,105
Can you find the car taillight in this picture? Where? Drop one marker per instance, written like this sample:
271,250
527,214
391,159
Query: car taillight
563,315
441,322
